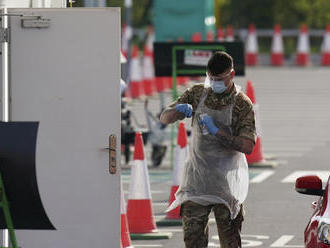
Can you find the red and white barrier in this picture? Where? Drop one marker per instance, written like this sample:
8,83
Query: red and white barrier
277,47
252,46
303,47
139,205
325,49
181,154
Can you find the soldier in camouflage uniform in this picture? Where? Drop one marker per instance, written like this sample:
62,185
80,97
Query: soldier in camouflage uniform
216,173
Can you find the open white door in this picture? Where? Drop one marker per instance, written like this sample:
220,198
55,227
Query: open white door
65,74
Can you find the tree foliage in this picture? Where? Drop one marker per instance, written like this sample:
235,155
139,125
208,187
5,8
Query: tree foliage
266,13
141,14
240,13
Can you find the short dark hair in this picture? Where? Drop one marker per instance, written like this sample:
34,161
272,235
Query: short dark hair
219,63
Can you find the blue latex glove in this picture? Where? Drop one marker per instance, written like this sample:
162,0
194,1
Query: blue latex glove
184,108
208,122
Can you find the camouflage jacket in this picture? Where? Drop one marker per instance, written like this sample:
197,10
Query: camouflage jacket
243,120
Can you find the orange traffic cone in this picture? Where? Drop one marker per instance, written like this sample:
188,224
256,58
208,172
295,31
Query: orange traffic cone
252,46
196,37
230,34
123,58
303,48
135,73
148,72
326,47
125,237
256,158
181,153
277,47
139,208
209,36
220,34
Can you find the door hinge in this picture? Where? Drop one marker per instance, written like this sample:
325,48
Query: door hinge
4,35
35,22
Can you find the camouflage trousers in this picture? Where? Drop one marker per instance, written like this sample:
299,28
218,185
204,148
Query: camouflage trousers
195,225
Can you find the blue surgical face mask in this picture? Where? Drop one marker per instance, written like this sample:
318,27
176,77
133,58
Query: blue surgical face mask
218,86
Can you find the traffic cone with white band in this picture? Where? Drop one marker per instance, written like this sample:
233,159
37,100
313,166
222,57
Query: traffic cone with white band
256,158
220,35
252,46
303,48
140,217
277,47
230,34
209,36
148,72
139,208
135,73
325,49
125,237
196,37
181,153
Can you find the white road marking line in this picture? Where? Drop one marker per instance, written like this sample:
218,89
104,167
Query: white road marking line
262,176
291,178
283,240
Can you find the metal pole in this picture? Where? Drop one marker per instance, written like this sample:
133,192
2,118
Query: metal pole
5,82
175,96
128,21
5,97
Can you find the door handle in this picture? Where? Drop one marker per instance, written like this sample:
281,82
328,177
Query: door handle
112,154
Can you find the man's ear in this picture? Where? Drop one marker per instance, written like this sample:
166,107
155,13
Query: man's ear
232,74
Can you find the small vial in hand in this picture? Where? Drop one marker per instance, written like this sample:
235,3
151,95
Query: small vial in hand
202,126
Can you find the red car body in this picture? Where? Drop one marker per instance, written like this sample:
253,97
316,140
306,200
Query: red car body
317,232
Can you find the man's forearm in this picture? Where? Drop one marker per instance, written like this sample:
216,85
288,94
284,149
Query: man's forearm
235,142
170,115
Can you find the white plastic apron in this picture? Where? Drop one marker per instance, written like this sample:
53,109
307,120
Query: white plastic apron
213,174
